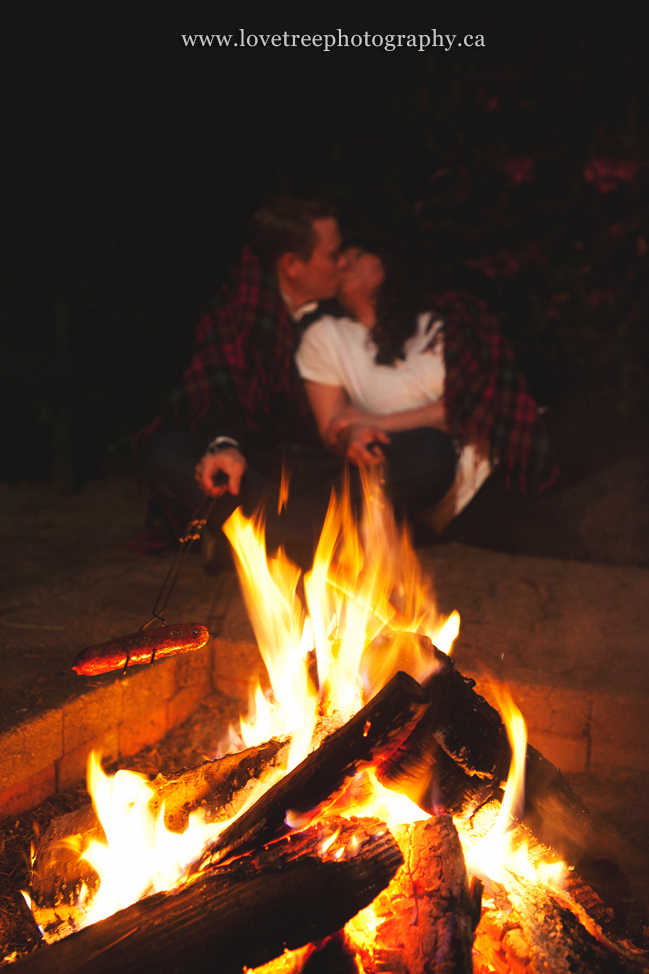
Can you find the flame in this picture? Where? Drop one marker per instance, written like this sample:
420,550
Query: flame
496,853
446,635
282,500
364,583
141,856
374,800
277,617
366,608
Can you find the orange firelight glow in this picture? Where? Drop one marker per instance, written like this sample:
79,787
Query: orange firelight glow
366,606
365,583
140,856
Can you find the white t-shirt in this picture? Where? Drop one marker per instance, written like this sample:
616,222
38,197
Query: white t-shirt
340,352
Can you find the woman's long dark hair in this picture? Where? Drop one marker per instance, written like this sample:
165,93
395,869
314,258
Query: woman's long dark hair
397,307
398,303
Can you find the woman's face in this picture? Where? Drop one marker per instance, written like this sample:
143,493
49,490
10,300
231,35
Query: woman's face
361,277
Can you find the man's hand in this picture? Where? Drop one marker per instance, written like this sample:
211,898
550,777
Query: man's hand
228,461
359,442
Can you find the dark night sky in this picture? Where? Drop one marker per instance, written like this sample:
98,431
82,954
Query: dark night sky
124,138
132,163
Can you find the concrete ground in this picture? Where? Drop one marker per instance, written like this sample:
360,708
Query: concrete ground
569,637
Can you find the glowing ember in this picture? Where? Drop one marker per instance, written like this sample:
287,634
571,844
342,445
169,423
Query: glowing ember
376,801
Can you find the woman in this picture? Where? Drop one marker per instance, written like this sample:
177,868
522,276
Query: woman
375,374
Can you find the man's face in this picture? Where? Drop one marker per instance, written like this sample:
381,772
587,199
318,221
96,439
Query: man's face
318,277
362,276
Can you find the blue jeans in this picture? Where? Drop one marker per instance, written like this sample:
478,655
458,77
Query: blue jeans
420,468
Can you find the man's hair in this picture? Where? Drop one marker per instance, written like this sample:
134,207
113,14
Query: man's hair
283,225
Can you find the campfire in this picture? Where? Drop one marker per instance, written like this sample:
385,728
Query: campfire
371,812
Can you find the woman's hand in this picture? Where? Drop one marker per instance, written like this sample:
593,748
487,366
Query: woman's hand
347,430
359,442
346,417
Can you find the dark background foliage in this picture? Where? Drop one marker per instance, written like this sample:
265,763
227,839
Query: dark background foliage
518,171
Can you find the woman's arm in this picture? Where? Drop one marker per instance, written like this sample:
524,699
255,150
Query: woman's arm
327,402
432,414
339,427
334,414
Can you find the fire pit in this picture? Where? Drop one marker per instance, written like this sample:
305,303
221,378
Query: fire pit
310,823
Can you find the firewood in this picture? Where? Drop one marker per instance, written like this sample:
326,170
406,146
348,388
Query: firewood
427,914
559,818
469,729
548,931
288,894
529,927
471,732
375,729
331,956
58,873
422,770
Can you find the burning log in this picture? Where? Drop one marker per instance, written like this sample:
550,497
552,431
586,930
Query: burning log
557,817
524,924
374,729
422,770
537,930
459,720
242,914
427,914
471,732
58,873
456,759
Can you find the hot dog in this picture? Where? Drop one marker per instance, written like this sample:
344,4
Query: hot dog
140,647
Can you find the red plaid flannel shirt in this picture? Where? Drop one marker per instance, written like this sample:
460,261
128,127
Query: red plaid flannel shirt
244,358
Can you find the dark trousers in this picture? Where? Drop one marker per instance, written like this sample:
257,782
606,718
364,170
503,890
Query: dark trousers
420,468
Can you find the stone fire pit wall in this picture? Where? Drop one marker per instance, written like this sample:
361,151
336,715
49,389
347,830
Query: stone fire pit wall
569,638
48,753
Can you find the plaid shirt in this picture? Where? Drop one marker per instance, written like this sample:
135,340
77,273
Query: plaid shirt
243,370
487,397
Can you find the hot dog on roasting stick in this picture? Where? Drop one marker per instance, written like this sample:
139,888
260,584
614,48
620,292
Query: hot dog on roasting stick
140,647
148,645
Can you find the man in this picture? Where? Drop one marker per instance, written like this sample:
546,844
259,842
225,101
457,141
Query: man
307,271
241,411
